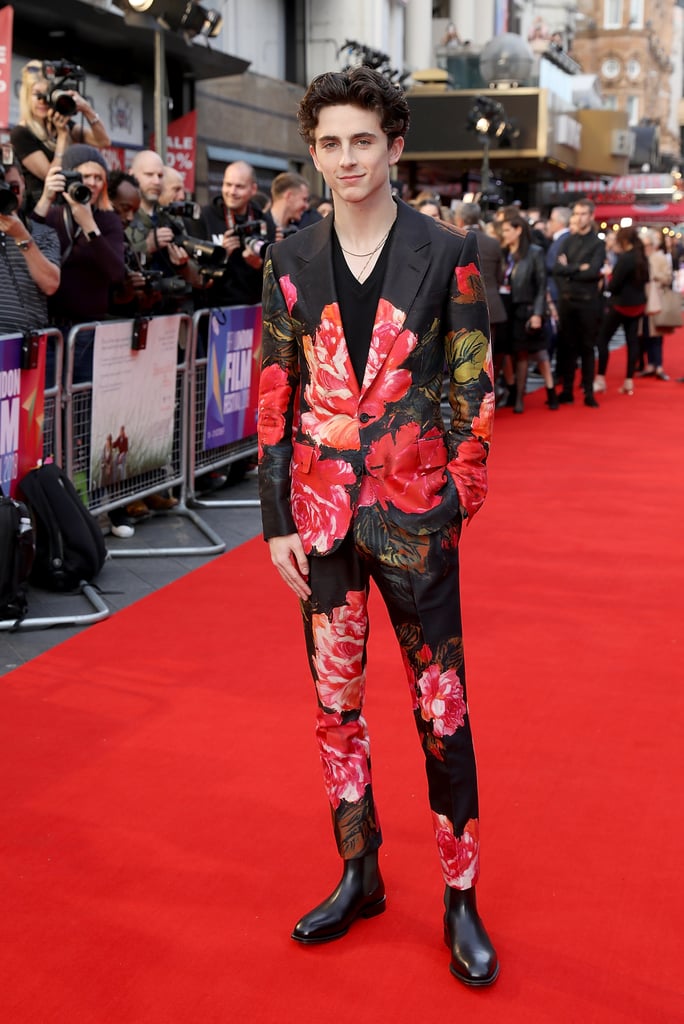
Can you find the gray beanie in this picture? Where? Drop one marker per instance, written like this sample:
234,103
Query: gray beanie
82,154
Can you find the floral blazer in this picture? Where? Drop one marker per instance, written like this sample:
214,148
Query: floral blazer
328,443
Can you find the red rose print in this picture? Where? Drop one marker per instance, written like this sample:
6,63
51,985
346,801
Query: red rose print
407,469
320,502
345,752
330,395
339,641
469,284
441,700
459,857
274,395
289,292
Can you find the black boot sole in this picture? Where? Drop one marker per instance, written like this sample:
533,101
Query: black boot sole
369,910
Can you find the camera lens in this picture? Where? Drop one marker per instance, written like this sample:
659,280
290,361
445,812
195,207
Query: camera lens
62,102
79,192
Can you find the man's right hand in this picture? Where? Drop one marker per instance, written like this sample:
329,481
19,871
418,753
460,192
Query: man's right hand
289,558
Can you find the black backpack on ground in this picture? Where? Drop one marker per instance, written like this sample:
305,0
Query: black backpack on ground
69,543
17,550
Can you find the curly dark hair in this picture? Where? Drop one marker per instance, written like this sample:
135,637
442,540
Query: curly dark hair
360,87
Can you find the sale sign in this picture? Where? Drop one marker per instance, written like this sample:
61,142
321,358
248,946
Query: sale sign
181,147
6,22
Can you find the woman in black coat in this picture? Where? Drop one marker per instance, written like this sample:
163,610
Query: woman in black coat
525,299
627,305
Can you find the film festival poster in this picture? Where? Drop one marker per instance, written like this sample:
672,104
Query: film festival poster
22,408
133,401
232,391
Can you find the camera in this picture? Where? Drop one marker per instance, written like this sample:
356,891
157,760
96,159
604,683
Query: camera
183,209
251,232
9,202
62,76
75,187
210,259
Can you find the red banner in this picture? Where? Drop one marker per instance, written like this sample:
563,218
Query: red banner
181,147
6,21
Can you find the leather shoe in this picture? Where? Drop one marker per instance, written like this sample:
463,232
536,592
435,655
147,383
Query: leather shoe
566,398
360,893
473,958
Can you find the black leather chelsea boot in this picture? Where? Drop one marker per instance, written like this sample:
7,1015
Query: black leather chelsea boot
360,893
473,958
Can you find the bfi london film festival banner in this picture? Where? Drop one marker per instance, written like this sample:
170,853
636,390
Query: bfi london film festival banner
133,401
233,358
22,408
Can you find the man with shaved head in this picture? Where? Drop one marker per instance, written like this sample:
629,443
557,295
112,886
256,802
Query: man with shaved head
231,220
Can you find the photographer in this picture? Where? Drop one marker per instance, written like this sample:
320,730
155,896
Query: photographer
29,264
235,222
43,133
91,236
154,234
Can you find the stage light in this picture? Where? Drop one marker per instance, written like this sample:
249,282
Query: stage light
181,16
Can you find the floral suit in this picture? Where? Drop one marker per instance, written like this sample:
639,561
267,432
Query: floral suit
377,487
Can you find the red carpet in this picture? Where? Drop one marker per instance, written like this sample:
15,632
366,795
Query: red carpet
164,823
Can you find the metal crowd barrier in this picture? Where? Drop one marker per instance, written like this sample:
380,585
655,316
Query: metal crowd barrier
200,460
52,449
78,413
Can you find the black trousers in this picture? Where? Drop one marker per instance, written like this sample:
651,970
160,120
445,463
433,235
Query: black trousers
578,326
418,578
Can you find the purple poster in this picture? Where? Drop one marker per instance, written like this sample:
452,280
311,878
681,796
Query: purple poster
232,393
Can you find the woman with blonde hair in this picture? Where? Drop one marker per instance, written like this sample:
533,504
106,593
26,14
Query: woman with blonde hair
660,269
43,135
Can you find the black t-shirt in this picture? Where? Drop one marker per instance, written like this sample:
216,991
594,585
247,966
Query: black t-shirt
24,142
359,303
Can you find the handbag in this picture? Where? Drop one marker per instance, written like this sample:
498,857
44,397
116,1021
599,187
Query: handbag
653,303
670,314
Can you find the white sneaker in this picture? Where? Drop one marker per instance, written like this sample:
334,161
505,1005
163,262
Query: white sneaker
599,384
122,531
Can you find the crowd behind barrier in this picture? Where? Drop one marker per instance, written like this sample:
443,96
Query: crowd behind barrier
124,388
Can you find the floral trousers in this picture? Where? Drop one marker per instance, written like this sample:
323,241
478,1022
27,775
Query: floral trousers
418,578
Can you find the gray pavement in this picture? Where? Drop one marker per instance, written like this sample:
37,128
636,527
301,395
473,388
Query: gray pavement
124,580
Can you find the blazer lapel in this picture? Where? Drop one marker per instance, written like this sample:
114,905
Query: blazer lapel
407,265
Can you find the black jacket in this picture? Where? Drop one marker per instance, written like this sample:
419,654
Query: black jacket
240,284
528,282
580,250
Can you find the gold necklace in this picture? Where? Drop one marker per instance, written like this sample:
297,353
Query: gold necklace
370,255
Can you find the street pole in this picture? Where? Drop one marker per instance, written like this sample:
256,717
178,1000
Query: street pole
160,101
484,176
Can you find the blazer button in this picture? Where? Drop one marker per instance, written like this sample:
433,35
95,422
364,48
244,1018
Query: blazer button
365,417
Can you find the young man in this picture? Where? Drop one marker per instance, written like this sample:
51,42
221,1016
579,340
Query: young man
577,270
359,479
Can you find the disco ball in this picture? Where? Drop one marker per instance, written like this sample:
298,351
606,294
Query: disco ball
506,60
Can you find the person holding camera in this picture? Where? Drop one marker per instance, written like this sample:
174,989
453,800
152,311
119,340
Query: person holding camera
155,233
29,265
234,221
77,206
44,133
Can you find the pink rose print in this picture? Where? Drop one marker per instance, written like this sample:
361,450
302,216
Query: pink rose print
330,394
410,479
274,395
320,502
441,700
344,755
339,642
469,473
289,292
459,857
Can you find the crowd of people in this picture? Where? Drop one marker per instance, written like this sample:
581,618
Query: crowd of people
82,243
558,291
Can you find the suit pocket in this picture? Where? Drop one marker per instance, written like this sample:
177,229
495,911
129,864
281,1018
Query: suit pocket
302,458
